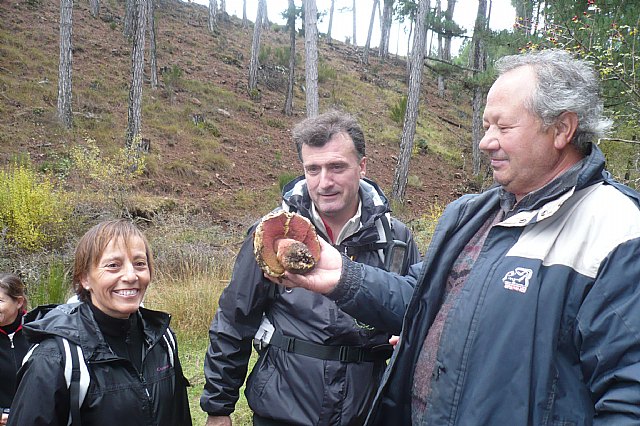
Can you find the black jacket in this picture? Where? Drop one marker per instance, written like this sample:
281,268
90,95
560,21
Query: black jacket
117,394
285,386
13,347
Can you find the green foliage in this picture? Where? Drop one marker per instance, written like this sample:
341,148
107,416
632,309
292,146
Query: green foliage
215,161
282,56
424,226
111,175
325,72
276,123
285,178
209,128
606,33
265,53
53,286
33,212
399,110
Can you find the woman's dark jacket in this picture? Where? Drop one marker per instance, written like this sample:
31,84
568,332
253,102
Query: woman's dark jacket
546,330
13,347
285,386
117,393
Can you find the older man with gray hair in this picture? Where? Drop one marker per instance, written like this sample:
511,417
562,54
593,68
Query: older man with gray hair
526,309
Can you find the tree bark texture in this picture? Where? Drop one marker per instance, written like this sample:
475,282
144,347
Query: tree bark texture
311,57
152,44
479,63
330,20
413,100
213,12
387,19
134,123
65,64
244,14
265,19
255,49
355,43
368,43
94,7
291,24
129,18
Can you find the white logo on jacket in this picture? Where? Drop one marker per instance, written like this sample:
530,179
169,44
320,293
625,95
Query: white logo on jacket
518,279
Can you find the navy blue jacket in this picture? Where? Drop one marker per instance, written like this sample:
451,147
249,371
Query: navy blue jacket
546,330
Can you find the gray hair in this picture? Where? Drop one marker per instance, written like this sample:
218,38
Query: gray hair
564,83
317,131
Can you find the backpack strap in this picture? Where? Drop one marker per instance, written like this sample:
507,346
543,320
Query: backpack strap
76,374
171,346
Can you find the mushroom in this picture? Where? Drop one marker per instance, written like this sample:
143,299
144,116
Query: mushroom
285,241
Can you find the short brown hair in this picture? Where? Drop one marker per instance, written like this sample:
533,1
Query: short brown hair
317,131
93,243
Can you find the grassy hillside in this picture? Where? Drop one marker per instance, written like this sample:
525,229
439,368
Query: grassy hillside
218,156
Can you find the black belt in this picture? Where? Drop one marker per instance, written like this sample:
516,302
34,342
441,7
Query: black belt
331,352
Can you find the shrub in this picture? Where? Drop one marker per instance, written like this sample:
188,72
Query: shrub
325,72
54,286
398,110
112,175
33,212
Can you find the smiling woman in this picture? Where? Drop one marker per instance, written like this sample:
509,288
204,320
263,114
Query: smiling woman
130,352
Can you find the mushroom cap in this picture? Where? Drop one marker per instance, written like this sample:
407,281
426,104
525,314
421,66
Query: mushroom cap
275,252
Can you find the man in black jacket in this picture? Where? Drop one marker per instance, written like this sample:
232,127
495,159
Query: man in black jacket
317,365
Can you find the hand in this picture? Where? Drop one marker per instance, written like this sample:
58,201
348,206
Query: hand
218,421
322,278
393,340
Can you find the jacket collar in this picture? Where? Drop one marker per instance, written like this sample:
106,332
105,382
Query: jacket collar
373,202
545,201
76,323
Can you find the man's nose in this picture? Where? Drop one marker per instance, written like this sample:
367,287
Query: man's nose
489,141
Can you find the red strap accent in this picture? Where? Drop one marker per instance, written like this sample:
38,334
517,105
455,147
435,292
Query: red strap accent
329,232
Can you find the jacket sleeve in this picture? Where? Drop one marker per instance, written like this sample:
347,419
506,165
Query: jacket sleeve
608,335
375,296
42,396
236,321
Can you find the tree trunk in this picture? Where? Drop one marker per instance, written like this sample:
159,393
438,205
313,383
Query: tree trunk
330,21
479,63
368,43
153,71
387,19
213,11
409,48
291,24
244,13
413,100
265,20
446,49
223,9
129,18
134,126
94,7
64,66
355,43
311,59
255,50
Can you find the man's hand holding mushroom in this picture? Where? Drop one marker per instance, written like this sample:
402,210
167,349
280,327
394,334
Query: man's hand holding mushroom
323,278
290,253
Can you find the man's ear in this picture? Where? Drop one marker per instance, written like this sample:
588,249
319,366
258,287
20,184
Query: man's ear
363,167
565,126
